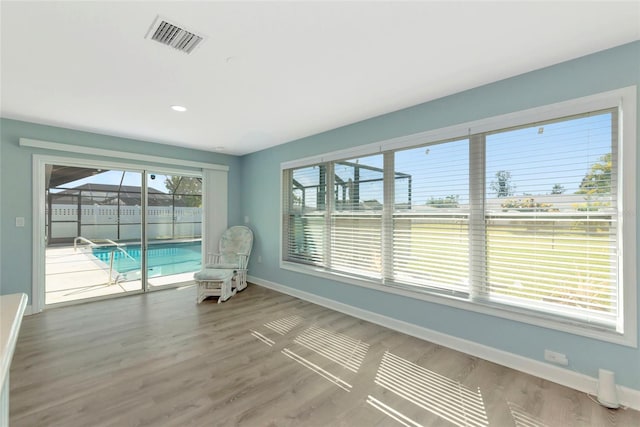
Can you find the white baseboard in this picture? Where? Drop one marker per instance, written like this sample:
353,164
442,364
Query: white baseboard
28,310
628,397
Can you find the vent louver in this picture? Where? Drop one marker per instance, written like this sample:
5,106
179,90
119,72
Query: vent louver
173,35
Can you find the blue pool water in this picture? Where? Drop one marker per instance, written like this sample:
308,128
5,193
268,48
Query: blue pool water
162,258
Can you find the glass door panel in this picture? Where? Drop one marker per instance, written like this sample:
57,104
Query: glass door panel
93,233
174,228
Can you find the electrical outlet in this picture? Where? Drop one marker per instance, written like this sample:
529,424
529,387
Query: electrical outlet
259,259
557,358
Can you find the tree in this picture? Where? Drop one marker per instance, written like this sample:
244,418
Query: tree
598,179
502,185
526,205
188,189
557,189
451,201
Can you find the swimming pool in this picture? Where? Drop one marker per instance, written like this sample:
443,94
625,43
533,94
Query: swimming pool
163,259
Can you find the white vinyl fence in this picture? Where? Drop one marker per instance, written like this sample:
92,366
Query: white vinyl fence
103,222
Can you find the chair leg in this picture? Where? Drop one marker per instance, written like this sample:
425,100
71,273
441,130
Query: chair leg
241,281
200,295
226,291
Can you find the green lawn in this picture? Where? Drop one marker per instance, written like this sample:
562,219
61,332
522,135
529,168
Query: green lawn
566,260
571,264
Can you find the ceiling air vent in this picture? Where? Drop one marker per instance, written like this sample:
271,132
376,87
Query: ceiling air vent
172,35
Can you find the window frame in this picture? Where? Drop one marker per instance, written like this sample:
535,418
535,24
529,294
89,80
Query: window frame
625,100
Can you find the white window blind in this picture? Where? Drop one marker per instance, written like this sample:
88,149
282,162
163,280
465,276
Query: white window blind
551,217
431,216
305,207
356,217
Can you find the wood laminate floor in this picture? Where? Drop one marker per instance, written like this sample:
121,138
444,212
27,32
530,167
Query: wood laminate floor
264,359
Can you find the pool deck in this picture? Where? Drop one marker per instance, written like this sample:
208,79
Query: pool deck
72,275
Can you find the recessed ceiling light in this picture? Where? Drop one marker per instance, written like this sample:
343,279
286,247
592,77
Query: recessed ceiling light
179,108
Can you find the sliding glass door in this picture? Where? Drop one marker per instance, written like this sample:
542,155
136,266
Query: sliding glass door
174,228
112,231
93,226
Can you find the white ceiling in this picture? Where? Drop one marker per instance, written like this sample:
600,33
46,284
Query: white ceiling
272,72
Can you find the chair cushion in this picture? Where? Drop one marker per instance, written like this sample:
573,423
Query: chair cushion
222,265
213,274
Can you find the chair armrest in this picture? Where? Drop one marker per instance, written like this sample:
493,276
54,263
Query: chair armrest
243,261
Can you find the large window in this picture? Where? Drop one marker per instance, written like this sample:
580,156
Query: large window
305,207
356,216
551,216
523,218
431,227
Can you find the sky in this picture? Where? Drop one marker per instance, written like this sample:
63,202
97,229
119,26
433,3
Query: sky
538,157
113,177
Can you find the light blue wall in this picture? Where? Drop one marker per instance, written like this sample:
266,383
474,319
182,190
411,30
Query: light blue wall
607,70
16,185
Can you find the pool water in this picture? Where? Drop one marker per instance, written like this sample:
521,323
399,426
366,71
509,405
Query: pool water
163,259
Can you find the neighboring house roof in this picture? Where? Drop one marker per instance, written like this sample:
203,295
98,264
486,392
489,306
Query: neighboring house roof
110,194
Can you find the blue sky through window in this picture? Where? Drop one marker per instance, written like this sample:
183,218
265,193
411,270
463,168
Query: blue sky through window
113,177
537,157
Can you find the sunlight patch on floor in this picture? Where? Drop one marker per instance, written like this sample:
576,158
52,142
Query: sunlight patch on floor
284,325
262,338
431,391
388,410
342,349
317,369
522,418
